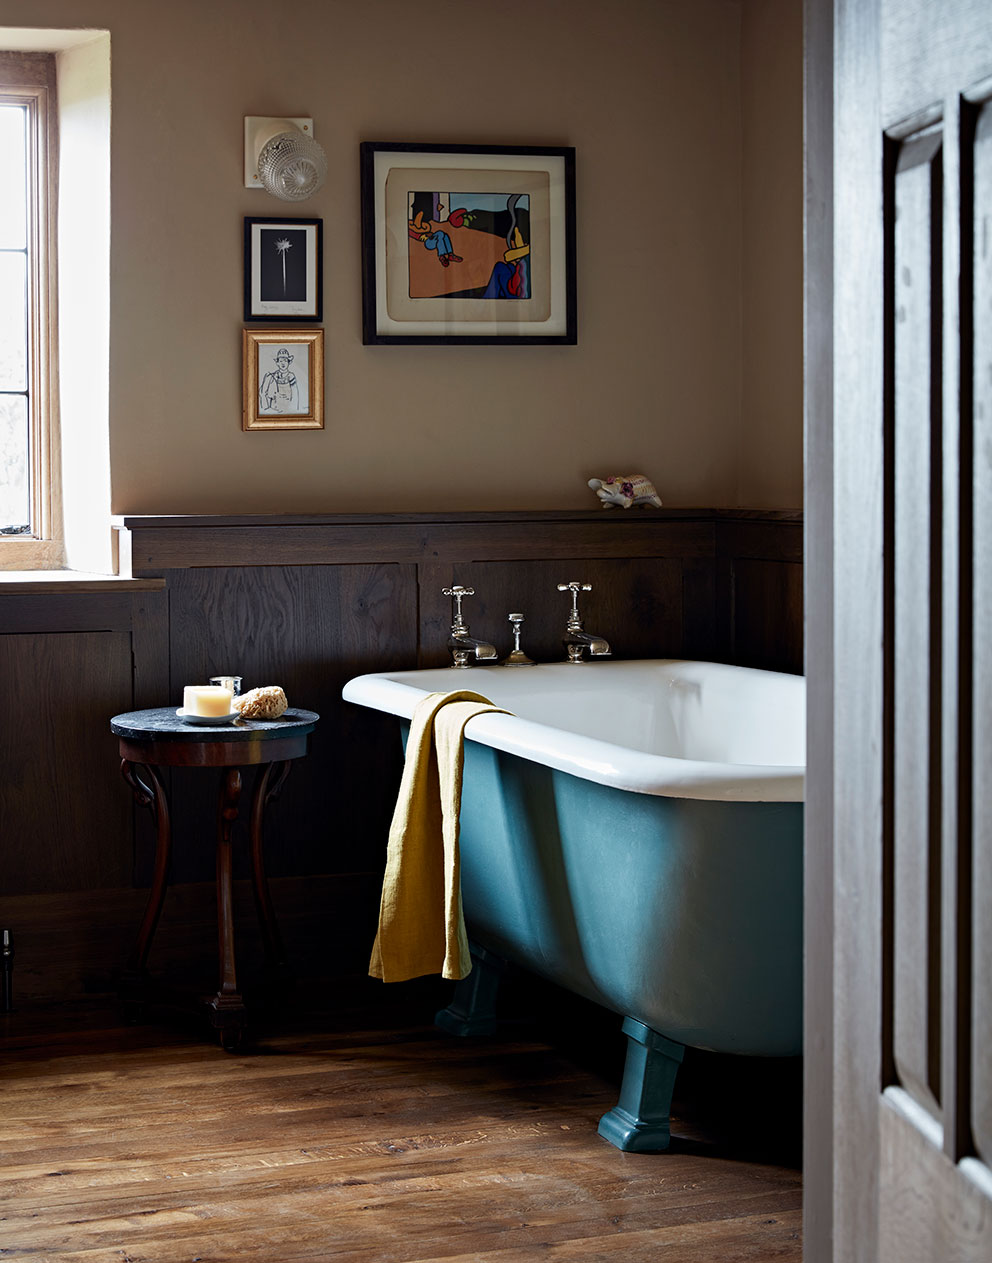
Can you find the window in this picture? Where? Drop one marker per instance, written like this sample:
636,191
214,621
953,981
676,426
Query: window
29,528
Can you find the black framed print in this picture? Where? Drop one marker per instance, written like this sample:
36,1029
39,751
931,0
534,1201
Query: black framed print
467,244
283,269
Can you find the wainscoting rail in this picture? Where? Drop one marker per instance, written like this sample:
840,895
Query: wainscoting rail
150,544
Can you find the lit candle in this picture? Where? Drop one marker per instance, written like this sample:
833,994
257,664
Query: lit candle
207,700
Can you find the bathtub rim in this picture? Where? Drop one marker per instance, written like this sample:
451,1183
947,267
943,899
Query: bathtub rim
592,759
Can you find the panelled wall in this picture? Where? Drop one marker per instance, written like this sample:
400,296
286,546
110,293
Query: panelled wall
69,656
307,603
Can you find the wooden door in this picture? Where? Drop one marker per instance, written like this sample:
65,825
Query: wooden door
899,417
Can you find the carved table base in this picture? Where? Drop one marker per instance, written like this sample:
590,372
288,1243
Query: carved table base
226,1008
151,739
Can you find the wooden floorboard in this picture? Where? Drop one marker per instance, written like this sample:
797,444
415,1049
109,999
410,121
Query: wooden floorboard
357,1131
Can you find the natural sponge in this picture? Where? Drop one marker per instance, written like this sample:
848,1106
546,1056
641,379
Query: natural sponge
264,703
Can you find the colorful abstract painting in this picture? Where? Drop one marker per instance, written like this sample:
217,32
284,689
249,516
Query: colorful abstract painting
469,245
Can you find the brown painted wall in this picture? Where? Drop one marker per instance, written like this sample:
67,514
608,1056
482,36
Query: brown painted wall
650,94
770,469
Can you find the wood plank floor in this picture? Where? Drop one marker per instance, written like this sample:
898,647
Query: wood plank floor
359,1132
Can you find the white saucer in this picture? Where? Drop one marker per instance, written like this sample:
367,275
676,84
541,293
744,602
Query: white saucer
189,718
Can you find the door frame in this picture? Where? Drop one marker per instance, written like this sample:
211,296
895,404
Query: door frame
818,354
844,481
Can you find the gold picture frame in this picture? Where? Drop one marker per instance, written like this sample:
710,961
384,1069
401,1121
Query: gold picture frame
283,379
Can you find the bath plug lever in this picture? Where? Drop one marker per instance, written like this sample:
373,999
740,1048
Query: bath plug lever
516,657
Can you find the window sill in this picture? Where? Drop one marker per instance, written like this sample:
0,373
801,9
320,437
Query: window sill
23,582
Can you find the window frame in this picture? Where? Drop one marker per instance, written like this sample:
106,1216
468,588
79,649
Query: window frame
29,79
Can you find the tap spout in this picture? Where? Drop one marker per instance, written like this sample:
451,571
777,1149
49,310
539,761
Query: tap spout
576,641
465,649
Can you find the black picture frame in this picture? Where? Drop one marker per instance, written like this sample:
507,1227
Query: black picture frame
498,268
284,269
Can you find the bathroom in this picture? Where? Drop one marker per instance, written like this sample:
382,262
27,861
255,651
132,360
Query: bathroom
303,558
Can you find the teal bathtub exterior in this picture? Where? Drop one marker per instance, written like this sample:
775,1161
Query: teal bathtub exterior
683,914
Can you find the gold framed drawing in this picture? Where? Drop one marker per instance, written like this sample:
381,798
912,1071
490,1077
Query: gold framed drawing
283,379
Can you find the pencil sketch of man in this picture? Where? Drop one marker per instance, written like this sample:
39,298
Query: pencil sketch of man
279,391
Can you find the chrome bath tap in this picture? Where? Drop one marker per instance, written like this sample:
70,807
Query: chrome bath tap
465,651
575,640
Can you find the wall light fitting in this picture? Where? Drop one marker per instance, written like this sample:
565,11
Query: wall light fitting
282,157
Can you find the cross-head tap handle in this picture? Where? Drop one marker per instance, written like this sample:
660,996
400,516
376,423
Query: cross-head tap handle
456,592
575,588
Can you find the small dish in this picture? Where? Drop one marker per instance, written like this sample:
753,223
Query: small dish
189,718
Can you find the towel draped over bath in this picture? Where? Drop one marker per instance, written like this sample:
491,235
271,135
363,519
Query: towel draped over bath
421,925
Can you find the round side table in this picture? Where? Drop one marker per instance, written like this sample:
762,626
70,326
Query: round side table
152,739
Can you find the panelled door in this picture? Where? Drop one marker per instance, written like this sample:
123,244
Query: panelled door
908,474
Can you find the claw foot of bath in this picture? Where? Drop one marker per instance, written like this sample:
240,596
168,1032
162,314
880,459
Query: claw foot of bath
639,1122
472,1010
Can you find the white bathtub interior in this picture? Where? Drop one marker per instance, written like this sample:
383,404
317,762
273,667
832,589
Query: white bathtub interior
653,726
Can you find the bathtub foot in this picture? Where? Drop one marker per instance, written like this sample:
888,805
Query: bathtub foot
472,1010
639,1122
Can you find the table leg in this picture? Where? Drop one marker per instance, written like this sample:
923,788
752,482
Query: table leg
267,786
150,794
227,1006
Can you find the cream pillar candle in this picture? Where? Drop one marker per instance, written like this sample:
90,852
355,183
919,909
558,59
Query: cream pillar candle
207,700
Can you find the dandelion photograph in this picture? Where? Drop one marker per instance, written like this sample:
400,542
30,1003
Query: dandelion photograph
282,265
283,269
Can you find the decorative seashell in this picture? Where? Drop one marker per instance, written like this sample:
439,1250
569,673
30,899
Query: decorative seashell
627,490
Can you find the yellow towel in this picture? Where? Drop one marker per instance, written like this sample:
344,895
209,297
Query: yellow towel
421,927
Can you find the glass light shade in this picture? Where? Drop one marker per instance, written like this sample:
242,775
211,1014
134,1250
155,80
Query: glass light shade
292,166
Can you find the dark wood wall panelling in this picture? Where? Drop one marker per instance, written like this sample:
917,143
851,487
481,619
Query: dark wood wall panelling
309,602
308,628
760,587
69,659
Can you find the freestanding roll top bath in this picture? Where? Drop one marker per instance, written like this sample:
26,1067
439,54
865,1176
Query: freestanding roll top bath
633,832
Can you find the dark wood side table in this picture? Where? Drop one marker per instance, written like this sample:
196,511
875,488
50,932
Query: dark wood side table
152,739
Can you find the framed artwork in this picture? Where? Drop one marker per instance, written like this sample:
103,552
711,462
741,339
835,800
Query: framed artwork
284,269
467,245
283,379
